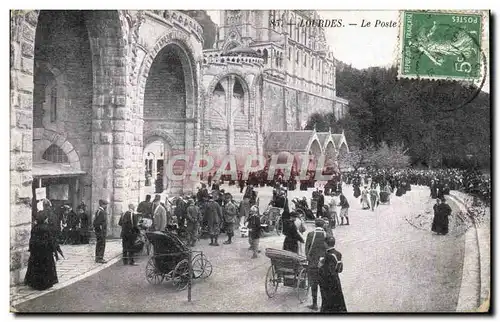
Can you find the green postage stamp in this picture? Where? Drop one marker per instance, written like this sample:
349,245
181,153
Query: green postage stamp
441,45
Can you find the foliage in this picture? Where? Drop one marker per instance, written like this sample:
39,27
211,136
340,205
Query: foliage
441,123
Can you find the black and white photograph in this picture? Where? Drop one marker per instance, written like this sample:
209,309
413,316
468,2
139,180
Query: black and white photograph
250,161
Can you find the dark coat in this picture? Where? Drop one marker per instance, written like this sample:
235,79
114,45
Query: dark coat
440,223
130,231
41,273
293,236
332,297
315,246
213,216
254,226
100,222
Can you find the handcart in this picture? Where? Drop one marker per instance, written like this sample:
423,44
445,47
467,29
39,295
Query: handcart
170,261
289,269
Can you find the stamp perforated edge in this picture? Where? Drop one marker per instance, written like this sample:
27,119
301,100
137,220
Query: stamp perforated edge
485,14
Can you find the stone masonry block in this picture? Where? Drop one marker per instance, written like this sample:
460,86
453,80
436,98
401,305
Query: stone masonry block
106,138
27,143
24,120
28,33
67,147
122,113
38,133
16,140
119,137
73,157
23,192
32,17
14,100
27,65
26,179
96,137
15,260
119,151
59,141
20,235
21,161
119,125
20,214
120,173
118,207
27,49
119,183
49,135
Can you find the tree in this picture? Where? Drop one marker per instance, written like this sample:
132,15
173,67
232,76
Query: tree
355,158
386,157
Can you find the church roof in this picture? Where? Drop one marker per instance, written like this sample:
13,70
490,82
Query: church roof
337,139
291,141
322,136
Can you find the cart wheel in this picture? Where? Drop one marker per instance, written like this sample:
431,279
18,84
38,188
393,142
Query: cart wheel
201,266
272,282
152,274
180,275
302,285
279,226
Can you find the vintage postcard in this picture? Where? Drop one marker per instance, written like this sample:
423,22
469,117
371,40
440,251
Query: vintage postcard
218,161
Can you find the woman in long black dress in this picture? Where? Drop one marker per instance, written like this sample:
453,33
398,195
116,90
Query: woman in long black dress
436,219
41,273
292,234
332,297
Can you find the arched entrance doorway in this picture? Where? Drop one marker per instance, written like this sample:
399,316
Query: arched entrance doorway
62,108
56,100
169,103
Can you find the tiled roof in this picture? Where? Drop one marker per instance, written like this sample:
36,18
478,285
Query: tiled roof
337,139
292,141
322,136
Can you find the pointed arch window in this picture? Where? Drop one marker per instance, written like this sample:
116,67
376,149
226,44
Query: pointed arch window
55,154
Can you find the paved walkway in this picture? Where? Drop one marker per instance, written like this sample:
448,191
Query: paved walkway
79,263
389,266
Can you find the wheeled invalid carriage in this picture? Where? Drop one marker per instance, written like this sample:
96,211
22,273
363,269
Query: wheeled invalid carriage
170,261
289,269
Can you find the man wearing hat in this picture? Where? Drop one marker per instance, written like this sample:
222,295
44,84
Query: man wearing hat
315,248
100,229
254,230
159,214
230,213
192,222
213,213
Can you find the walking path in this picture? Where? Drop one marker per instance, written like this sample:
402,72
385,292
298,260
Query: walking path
389,266
79,263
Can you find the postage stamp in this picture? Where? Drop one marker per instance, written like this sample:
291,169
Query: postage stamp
441,45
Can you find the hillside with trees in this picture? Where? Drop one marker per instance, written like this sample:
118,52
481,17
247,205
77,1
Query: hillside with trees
440,123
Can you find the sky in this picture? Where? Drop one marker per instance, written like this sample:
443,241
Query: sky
361,47
364,47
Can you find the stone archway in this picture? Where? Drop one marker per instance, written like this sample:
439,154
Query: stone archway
169,148
108,100
228,108
43,138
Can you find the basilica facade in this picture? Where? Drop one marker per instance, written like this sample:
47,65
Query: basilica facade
90,90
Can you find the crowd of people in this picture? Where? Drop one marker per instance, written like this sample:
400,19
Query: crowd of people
440,180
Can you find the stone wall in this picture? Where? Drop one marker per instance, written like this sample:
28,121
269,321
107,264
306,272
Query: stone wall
287,109
165,94
273,109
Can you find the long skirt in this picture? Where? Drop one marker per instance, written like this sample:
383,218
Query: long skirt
291,245
332,297
440,224
41,273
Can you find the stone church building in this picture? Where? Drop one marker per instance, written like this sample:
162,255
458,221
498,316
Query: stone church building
89,90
